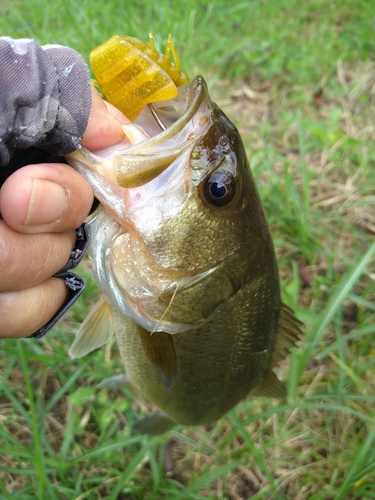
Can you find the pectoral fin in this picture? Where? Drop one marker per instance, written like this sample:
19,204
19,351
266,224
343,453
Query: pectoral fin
160,350
96,330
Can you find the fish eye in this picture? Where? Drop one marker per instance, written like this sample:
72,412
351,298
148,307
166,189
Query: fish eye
219,187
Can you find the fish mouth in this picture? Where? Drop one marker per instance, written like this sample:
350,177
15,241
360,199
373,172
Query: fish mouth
159,135
173,115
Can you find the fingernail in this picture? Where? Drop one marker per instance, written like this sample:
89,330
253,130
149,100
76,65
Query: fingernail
48,203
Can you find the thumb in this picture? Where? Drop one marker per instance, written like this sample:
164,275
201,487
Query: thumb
104,125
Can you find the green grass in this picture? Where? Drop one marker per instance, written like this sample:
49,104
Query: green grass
63,437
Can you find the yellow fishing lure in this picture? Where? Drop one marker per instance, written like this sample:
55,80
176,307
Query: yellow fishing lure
132,74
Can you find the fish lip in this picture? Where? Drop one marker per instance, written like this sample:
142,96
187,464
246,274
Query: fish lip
197,89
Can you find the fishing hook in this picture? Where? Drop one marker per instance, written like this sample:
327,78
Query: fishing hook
156,116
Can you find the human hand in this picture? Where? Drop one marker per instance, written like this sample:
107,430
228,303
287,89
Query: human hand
41,206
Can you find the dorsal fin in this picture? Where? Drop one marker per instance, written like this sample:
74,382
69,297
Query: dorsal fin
160,350
288,333
96,330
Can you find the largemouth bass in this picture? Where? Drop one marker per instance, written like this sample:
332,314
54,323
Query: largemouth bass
184,257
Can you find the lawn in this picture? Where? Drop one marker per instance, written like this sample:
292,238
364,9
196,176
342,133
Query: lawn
298,80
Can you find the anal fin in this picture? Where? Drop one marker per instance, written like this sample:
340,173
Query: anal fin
156,424
270,387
